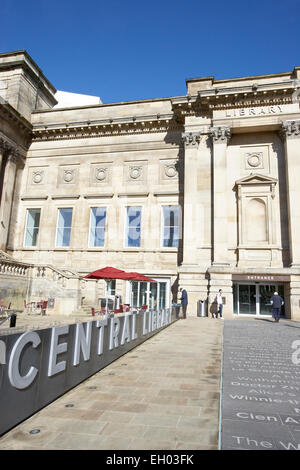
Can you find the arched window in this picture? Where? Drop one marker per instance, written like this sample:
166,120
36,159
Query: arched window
256,221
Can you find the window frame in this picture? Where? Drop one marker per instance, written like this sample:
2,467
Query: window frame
56,233
26,224
105,227
163,226
126,226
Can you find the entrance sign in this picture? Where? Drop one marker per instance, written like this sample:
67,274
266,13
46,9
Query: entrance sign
260,277
40,366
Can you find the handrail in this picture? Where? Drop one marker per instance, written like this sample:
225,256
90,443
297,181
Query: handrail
13,312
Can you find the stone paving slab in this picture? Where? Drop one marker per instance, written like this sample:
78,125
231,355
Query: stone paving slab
261,385
163,395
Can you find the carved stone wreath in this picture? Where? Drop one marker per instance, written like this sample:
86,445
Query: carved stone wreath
254,160
135,172
101,174
170,171
68,176
37,177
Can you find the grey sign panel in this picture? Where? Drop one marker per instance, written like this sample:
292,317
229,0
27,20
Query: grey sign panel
261,385
40,366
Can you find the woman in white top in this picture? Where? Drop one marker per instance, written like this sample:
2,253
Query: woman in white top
220,304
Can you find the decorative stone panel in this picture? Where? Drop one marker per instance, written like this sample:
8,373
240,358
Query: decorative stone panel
68,175
168,170
100,174
37,176
255,158
135,172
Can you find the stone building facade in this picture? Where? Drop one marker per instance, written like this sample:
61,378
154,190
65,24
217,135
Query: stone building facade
198,191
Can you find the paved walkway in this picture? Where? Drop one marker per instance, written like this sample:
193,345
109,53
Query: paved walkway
162,395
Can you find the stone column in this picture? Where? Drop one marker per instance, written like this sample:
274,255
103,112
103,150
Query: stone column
191,141
2,150
291,133
220,136
7,195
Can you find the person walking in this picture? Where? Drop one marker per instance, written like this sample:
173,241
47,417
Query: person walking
184,301
276,302
219,301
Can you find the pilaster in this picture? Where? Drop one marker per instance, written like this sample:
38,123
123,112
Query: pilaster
2,150
220,137
291,135
220,279
294,296
7,194
191,143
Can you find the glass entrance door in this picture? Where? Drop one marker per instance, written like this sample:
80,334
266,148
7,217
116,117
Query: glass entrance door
247,299
153,294
254,299
265,294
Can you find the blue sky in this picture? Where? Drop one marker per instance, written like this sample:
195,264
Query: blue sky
132,50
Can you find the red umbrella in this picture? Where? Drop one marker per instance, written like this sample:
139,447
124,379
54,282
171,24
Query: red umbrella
106,273
132,276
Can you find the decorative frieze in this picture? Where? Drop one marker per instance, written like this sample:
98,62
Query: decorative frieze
220,134
107,127
191,138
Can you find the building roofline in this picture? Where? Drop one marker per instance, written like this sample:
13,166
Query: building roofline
102,105
17,62
235,79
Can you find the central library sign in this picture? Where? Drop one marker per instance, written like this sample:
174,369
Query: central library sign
37,367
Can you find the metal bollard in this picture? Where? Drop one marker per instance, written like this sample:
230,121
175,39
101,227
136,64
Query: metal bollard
13,319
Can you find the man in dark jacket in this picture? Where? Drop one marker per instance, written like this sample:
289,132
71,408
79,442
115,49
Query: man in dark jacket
184,301
276,302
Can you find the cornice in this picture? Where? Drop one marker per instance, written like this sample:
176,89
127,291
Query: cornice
106,127
22,59
217,98
8,113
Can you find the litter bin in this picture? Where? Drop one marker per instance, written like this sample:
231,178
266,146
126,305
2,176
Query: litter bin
201,310
176,309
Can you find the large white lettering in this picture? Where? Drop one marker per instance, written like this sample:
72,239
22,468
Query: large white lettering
101,324
145,331
55,349
113,332
134,334
296,354
15,378
82,342
2,352
126,330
